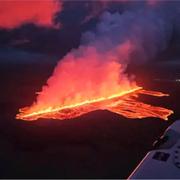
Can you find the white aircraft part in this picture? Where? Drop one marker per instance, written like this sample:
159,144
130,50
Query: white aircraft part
164,162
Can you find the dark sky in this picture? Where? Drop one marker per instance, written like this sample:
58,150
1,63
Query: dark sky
54,30
35,37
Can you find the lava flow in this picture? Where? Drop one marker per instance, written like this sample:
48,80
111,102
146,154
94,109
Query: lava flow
86,80
125,104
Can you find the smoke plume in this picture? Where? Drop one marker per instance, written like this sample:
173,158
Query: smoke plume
98,67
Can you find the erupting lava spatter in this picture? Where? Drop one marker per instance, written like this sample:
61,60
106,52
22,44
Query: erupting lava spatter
124,104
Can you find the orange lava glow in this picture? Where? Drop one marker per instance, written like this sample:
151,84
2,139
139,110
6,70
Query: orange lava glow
124,103
14,13
86,80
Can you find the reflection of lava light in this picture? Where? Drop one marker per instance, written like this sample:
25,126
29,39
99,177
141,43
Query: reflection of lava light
124,103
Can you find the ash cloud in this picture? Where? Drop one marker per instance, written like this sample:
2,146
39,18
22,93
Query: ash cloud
150,29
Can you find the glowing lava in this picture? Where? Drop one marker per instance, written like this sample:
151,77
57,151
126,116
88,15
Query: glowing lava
124,103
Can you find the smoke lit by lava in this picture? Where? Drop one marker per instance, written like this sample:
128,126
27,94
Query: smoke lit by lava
94,76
